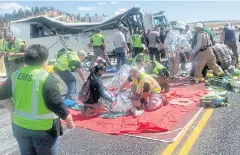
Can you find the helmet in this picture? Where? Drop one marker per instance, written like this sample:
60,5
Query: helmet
199,25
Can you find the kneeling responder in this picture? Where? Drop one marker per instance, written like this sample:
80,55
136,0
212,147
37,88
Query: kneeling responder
159,73
14,49
224,56
37,105
204,54
69,61
145,89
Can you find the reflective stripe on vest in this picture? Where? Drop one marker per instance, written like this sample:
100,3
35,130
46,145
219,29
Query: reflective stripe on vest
154,86
15,47
137,41
157,67
2,45
64,61
97,40
30,111
34,115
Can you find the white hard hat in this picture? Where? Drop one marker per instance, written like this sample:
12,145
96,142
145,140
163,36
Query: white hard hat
199,25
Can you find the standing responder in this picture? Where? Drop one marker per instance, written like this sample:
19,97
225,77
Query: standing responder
204,54
228,37
38,105
137,43
14,51
69,61
153,42
121,48
99,48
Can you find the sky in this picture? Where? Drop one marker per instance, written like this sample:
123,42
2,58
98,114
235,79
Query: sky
186,11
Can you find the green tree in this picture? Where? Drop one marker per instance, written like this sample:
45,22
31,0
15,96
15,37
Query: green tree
20,13
15,15
28,13
37,11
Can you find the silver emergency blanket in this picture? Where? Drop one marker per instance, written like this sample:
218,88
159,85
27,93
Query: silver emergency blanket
122,102
121,76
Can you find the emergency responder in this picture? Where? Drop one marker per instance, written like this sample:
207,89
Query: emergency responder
204,54
99,48
137,41
224,56
145,89
153,42
159,73
14,51
38,105
228,37
144,56
69,61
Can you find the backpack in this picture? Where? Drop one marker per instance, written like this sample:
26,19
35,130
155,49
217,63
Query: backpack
84,93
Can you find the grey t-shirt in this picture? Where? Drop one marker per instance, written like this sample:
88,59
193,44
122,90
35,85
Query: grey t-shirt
153,39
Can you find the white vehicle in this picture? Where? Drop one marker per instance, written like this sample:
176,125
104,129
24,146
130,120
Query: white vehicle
57,35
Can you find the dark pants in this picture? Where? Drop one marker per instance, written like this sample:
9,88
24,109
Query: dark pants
69,80
233,45
35,142
136,51
12,66
121,57
154,52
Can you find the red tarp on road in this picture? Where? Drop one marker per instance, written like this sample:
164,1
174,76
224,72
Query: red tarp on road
160,120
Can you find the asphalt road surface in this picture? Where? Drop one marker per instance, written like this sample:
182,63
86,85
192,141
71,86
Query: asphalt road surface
220,136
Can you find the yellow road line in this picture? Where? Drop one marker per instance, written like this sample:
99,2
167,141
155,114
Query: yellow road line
196,132
171,147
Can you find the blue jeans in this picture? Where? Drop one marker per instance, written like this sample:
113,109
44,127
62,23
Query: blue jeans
33,142
121,56
69,80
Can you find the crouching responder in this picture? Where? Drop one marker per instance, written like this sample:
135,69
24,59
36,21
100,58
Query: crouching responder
38,105
14,51
145,89
69,61
224,56
159,73
204,54
144,56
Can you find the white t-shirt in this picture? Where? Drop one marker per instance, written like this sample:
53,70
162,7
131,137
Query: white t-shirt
119,38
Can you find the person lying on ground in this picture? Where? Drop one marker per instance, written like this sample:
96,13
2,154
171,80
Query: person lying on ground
97,90
159,73
69,61
224,56
145,91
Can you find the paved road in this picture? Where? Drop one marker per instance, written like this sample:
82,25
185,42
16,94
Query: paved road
220,136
